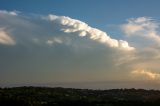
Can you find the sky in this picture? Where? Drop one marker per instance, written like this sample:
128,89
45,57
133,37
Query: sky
97,44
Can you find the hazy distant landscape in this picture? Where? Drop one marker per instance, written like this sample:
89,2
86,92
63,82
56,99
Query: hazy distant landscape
45,96
148,84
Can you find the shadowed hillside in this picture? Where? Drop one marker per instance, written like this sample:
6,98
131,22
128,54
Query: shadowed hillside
43,96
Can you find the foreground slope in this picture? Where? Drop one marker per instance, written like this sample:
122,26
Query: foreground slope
43,96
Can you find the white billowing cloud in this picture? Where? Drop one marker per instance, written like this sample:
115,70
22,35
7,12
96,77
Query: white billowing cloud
14,13
75,26
142,26
5,38
67,25
145,74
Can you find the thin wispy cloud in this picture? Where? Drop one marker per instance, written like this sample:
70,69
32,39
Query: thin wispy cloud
5,38
14,13
145,74
142,26
54,40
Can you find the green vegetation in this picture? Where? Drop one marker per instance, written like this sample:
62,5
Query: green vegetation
43,96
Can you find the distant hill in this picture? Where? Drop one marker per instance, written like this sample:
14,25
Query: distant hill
44,96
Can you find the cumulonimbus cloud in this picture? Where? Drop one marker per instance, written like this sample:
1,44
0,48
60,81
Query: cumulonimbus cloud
61,43
70,25
142,26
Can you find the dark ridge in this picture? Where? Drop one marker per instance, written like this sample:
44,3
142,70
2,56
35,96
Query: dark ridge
58,96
